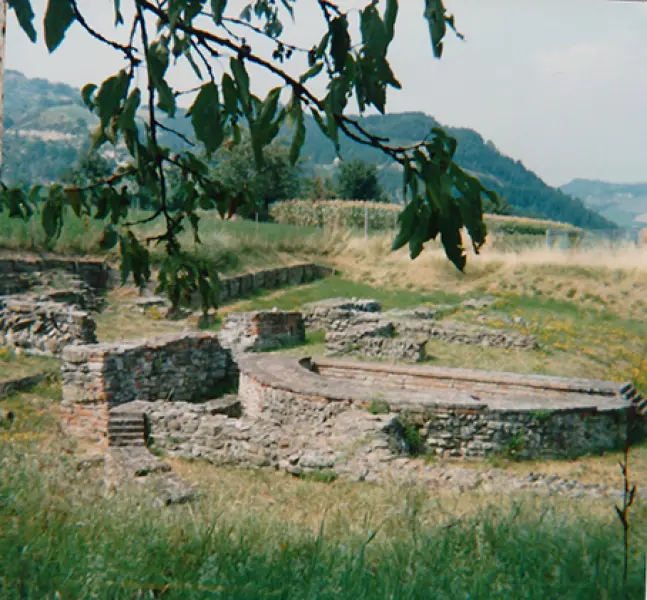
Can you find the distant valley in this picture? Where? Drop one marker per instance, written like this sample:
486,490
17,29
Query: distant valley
624,203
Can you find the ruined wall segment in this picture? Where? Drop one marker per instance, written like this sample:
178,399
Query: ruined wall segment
457,412
186,367
42,327
260,331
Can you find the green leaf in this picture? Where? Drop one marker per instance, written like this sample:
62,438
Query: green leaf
311,72
256,137
86,94
119,19
25,16
299,136
206,117
242,83
126,260
407,220
75,198
435,16
127,116
109,238
52,213
217,9
419,233
339,42
193,64
110,96
58,17
230,96
158,61
374,34
269,107
332,129
450,237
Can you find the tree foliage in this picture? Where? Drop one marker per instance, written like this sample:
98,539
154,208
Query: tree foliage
355,68
358,180
277,180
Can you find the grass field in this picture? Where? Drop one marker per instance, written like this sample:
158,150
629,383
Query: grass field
261,534
13,366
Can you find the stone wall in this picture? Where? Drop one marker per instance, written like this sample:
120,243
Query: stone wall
42,327
347,318
377,341
182,367
526,434
563,419
239,286
324,313
261,331
19,274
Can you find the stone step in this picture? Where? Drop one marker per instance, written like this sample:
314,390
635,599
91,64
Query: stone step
126,427
126,433
123,443
126,418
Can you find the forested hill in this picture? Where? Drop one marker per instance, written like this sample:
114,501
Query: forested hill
47,126
524,190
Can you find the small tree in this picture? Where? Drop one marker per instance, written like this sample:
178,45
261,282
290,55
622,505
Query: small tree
90,168
277,180
359,180
319,188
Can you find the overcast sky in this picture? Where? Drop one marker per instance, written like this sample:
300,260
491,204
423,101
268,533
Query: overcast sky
558,84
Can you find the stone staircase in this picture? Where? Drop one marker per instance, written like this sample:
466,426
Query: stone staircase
126,429
636,398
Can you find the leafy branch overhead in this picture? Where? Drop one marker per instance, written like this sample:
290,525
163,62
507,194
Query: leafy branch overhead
221,46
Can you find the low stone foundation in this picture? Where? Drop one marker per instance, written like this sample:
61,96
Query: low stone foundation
347,317
19,274
376,341
457,412
261,331
182,367
239,286
41,327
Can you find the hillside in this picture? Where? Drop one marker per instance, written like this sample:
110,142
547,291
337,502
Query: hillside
47,124
624,203
524,190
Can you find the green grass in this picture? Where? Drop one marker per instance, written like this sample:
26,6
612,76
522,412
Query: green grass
331,287
64,540
230,246
13,366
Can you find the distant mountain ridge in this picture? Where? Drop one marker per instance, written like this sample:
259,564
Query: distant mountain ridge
624,203
47,125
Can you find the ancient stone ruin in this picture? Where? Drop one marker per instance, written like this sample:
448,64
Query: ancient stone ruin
45,304
337,418
359,327
261,331
175,367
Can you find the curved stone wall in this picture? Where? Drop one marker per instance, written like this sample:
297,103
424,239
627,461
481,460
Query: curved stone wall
458,412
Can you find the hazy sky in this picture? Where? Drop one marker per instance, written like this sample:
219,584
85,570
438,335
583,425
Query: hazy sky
558,84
